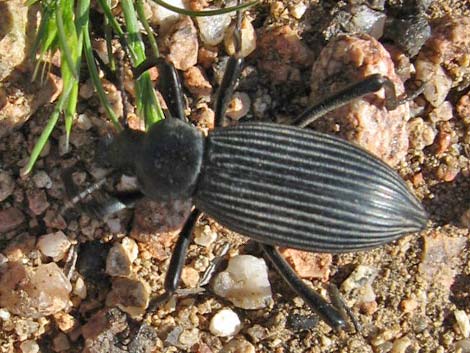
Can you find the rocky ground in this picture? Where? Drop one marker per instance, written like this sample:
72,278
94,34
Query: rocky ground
71,282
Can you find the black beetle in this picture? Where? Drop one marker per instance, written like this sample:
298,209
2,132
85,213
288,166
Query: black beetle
280,185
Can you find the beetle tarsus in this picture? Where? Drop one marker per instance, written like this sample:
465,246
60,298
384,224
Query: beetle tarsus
325,310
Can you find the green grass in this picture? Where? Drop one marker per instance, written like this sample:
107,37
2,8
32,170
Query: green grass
65,28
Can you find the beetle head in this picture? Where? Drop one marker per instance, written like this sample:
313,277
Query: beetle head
169,160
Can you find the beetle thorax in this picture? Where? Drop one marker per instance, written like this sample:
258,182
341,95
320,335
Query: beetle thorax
170,160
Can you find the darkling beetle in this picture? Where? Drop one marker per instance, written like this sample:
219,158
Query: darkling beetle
279,185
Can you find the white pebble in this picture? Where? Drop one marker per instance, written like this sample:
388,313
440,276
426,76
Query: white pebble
225,323
4,314
463,323
79,289
212,28
164,17
298,10
204,236
54,245
245,282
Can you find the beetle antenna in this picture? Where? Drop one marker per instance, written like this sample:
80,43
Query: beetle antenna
344,310
370,84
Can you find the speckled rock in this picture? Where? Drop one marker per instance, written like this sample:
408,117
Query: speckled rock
120,258
182,44
212,28
34,292
438,259
248,39
309,265
366,121
37,201
7,185
10,218
54,245
196,83
238,346
129,295
12,36
282,53
449,47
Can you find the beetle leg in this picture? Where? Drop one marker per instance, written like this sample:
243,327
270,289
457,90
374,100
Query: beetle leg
101,204
173,275
169,84
368,85
170,87
325,310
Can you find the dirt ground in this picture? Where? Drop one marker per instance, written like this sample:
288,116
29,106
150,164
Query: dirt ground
422,279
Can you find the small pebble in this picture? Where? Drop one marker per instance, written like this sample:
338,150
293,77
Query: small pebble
212,28
4,314
7,185
190,277
225,323
441,113
42,180
164,17
34,292
245,282
83,122
119,261
463,322
238,346
54,245
309,265
60,343
29,346
297,10
189,337
10,218
196,83
408,305
204,236
65,322
462,346
130,295
360,281
79,289
248,39
400,345
438,83
182,44
37,201
239,106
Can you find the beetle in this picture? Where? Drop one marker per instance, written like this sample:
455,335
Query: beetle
279,185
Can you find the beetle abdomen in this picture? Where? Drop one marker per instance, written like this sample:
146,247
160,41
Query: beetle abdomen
302,189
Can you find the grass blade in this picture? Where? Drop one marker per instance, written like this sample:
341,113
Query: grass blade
204,13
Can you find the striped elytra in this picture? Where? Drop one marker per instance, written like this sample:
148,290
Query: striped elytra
302,189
